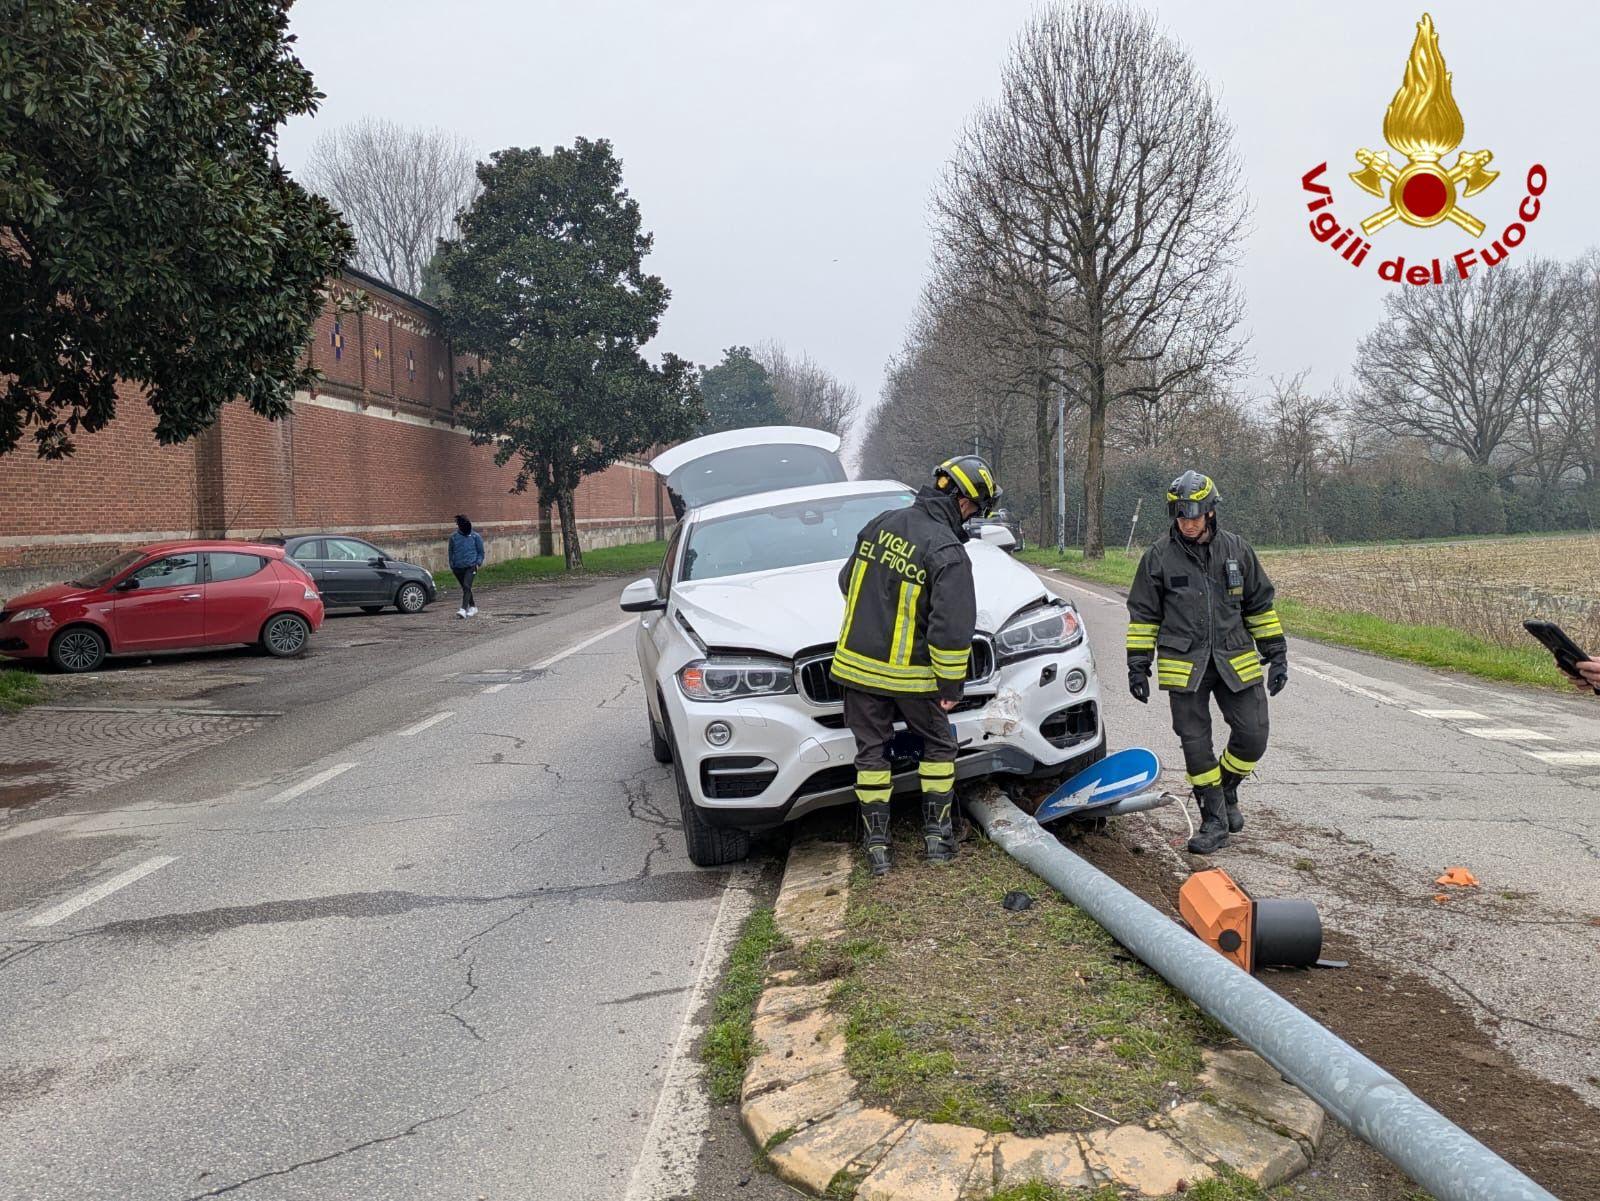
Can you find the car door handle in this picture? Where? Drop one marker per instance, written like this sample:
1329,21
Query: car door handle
191,596
330,571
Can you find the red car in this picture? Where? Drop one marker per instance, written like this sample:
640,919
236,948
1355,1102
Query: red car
171,596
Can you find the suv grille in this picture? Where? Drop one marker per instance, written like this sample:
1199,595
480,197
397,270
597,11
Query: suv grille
820,688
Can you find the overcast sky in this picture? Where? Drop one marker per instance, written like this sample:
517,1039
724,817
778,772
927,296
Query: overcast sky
783,153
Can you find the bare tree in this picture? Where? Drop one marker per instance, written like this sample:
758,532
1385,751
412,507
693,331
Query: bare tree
400,189
1299,435
1109,158
1459,365
808,392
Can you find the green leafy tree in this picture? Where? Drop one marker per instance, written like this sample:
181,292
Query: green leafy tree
147,232
739,393
546,285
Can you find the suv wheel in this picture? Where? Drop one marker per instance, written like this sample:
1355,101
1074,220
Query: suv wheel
709,846
659,746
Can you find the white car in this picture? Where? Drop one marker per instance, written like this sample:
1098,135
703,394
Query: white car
738,630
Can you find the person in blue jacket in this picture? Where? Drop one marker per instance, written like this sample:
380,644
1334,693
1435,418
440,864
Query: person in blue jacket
466,556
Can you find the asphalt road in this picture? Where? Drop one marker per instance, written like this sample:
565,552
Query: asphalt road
1378,777
433,938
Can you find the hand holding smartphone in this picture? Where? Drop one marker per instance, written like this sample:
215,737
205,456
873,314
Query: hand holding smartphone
1568,654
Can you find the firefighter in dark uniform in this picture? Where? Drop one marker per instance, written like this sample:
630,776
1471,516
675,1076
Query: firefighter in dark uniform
906,643
1201,607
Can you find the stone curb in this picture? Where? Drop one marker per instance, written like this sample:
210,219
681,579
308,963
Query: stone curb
801,1105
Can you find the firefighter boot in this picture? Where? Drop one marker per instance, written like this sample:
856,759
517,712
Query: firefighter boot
1230,797
875,818
1213,832
938,832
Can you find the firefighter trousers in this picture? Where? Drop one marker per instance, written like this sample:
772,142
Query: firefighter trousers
871,719
1246,715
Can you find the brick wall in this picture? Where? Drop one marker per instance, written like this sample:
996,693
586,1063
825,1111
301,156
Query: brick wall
375,451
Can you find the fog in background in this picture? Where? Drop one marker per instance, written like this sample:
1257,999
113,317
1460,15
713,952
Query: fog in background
783,153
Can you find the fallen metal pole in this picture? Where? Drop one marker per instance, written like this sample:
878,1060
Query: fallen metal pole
1427,1146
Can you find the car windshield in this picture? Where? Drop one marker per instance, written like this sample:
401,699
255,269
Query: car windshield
107,572
813,531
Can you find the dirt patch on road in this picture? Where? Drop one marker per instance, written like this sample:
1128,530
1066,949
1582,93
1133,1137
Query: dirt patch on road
1425,1037
22,783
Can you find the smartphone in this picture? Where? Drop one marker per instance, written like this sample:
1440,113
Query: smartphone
1568,654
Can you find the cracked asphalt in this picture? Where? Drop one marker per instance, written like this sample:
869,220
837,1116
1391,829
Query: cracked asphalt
1378,777
456,969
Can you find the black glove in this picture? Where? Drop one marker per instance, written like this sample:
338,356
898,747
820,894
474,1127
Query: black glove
1139,682
1277,676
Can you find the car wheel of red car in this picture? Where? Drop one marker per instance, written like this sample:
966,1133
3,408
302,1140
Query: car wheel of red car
285,635
78,648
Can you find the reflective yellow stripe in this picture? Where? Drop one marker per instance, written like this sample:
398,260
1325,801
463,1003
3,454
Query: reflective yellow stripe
850,602
1206,778
962,478
1264,625
1239,767
927,769
869,777
950,665
1249,656
904,628
870,679
937,787
850,658
1143,626
873,797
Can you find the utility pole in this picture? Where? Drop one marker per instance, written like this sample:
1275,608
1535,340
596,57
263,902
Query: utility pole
1061,471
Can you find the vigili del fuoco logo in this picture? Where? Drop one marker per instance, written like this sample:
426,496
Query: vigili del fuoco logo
1423,125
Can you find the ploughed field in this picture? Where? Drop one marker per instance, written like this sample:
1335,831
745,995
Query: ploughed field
1485,588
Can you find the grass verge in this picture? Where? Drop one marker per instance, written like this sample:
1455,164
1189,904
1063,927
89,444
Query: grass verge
958,1010
18,689
640,557
729,1044
1429,645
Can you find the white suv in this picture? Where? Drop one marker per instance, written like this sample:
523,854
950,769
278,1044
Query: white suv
737,633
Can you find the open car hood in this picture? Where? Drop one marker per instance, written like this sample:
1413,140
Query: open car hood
793,609
742,462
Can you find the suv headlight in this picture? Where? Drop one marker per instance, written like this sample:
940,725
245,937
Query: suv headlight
731,679
30,614
1038,632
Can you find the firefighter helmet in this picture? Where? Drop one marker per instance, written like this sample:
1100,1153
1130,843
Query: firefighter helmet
1192,495
969,476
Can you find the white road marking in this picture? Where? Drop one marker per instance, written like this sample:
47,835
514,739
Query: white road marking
413,731
667,1161
1450,714
1301,665
1507,734
493,688
101,891
1567,757
322,777
582,646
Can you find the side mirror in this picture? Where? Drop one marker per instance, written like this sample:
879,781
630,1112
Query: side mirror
997,535
378,561
640,597
127,585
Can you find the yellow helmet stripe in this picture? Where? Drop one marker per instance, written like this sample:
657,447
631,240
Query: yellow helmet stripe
962,478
